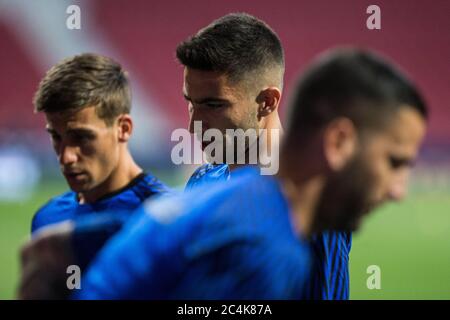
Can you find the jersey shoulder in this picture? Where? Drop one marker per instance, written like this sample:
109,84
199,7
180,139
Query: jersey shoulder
149,185
55,210
249,208
203,200
208,173
130,197
193,209
245,229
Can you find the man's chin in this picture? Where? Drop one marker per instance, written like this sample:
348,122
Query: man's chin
79,187
348,225
356,223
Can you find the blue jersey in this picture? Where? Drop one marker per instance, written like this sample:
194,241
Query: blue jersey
91,232
66,206
208,173
229,240
330,279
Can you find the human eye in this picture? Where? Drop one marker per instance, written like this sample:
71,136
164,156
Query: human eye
55,137
215,104
398,162
82,138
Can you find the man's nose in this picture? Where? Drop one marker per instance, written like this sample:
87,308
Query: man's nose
67,155
195,121
399,187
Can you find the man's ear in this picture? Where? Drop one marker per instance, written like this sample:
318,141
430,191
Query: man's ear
268,100
340,141
125,127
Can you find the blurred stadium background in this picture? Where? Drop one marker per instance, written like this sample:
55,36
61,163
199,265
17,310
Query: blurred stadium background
410,242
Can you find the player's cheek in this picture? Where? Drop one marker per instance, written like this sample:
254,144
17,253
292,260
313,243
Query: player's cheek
385,182
106,161
375,180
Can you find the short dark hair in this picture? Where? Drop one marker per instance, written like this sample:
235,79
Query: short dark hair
351,83
82,81
236,45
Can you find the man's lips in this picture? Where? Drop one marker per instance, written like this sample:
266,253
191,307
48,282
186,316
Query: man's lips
65,172
73,175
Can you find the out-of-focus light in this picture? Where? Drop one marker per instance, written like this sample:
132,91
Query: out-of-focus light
19,174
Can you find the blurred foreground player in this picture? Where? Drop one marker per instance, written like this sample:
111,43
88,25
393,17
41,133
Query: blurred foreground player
86,100
354,122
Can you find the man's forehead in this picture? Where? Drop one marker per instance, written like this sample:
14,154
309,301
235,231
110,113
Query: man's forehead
203,74
73,119
199,78
404,133
407,126
212,83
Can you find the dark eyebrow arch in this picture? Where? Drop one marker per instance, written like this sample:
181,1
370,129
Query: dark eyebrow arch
51,131
81,131
186,97
205,100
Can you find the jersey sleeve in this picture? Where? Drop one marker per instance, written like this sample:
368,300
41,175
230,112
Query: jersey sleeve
208,173
36,222
92,232
56,210
45,216
140,262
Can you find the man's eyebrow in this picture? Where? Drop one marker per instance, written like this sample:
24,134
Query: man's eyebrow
83,131
205,100
212,100
50,130
78,131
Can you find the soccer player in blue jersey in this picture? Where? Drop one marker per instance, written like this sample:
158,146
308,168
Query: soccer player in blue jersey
233,79
227,110
86,100
242,47
355,126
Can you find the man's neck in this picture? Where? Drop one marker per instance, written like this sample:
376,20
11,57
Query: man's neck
268,141
118,179
303,193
